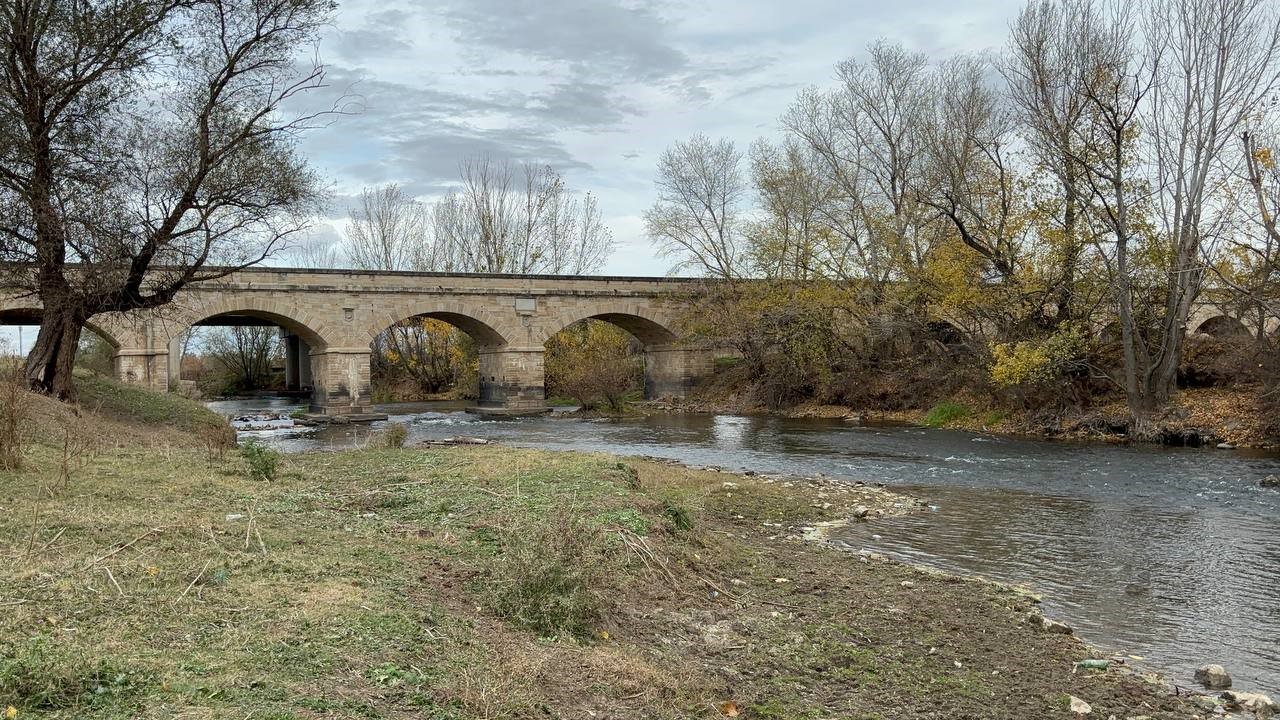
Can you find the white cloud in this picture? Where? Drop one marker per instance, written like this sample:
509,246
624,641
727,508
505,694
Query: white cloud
596,88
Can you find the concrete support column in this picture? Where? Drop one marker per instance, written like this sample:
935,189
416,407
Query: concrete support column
671,372
304,365
293,360
175,362
341,381
512,378
142,366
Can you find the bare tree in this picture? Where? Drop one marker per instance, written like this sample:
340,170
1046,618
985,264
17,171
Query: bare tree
972,183
315,251
867,135
791,241
246,354
1221,61
1165,98
389,231
506,219
1046,84
697,215
1254,269
145,145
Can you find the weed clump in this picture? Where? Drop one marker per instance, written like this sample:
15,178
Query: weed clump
678,515
394,435
552,576
262,460
627,474
42,676
14,408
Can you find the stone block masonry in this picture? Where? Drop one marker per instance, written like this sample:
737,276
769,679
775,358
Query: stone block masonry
329,318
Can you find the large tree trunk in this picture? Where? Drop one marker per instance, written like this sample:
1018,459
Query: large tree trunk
53,357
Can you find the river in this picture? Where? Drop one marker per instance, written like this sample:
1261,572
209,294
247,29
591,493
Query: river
1172,555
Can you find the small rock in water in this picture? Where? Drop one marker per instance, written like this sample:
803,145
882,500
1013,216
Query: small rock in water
1208,704
876,537
861,511
1226,446
1054,626
1079,707
1260,705
1270,481
1213,677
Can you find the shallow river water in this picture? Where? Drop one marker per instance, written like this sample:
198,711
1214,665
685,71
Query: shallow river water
1168,554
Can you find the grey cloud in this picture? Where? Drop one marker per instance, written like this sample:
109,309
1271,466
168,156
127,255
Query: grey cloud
383,35
582,104
602,35
439,151
570,104
418,136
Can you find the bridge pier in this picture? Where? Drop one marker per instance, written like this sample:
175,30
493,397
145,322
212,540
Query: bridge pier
671,371
297,362
142,366
512,378
340,382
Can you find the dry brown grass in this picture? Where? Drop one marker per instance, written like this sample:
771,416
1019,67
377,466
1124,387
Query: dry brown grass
361,584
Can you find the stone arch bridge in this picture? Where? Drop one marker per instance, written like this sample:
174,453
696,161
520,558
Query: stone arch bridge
329,318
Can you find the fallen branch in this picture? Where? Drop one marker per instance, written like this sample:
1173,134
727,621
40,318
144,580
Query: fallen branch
129,544
112,578
193,582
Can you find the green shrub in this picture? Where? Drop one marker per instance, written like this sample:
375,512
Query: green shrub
945,413
552,576
262,460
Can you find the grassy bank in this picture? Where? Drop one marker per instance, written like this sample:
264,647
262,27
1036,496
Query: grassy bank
483,582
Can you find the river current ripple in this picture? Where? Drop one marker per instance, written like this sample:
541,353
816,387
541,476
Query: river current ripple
1168,554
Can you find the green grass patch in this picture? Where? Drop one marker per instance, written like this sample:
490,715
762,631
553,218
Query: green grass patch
945,413
45,674
132,403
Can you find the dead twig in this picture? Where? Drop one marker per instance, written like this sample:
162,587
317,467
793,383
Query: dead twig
53,540
193,582
127,545
112,578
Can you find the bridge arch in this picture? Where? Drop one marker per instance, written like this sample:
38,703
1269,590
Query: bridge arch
670,368
16,315
483,327
1222,327
651,328
314,332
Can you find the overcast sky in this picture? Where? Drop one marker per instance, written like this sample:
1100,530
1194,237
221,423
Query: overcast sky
596,88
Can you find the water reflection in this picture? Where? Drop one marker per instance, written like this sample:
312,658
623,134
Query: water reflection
1181,585
1169,554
